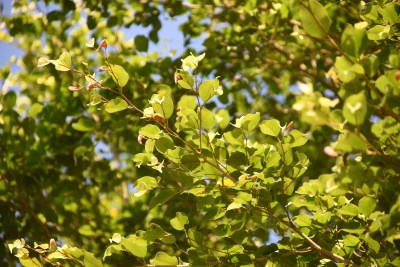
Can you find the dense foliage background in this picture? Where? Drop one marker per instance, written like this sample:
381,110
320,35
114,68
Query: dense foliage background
214,167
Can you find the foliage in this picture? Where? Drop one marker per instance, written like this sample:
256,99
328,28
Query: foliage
277,146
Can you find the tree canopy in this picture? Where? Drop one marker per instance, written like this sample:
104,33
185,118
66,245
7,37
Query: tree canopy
271,139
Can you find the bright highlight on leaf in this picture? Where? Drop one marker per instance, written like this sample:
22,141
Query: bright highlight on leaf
355,108
191,62
90,43
43,61
63,63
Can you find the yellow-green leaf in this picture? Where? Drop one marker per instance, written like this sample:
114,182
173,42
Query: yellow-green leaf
116,105
119,75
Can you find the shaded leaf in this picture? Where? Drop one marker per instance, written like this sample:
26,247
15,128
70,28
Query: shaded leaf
163,196
315,19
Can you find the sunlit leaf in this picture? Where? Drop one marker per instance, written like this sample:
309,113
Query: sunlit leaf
119,74
134,245
90,43
270,127
366,205
179,221
163,259
43,61
207,89
116,105
63,63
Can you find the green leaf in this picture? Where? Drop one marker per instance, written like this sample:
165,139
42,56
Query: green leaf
86,230
272,159
315,19
234,205
389,13
370,64
63,63
184,79
353,41
141,43
144,184
349,209
249,121
35,109
234,137
116,238
296,138
135,245
179,222
57,255
150,131
286,153
222,118
9,101
156,232
351,241
270,127
187,101
116,105
189,162
86,258
195,238
366,205
30,262
187,119
89,260
373,244
384,84
164,143
84,125
95,99
118,74
162,104
90,43
346,70
143,158
378,32
111,250
355,108
207,89
191,62
163,259
350,142
163,196
303,220
43,61
207,118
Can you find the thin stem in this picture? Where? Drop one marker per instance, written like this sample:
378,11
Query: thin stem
311,242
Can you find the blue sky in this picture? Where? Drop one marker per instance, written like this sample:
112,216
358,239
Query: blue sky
170,37
7,50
